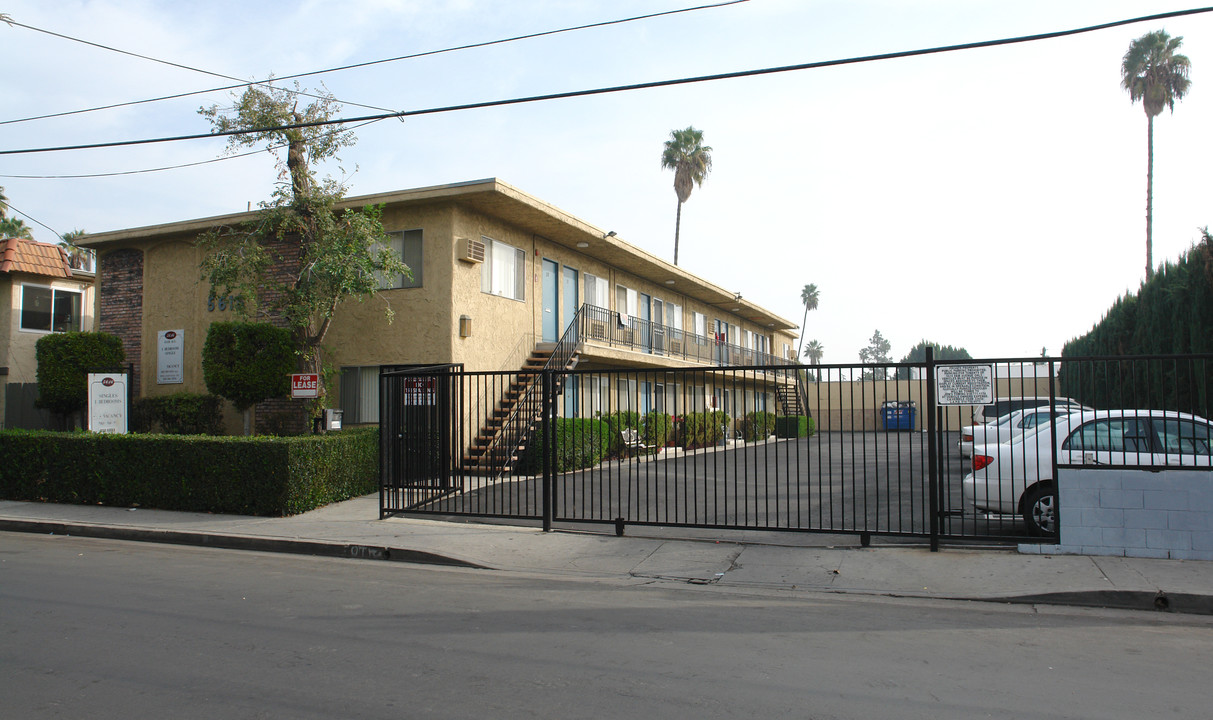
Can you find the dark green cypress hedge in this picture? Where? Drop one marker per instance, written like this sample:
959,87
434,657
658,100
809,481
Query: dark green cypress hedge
271,476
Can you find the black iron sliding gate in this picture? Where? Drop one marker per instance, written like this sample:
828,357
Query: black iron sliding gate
863,449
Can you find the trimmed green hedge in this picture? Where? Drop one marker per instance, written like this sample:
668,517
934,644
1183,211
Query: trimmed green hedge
178,414
580,443
239,475
758,425
702,429
790,426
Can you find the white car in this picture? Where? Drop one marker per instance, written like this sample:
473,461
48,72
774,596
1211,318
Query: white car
1010,426
1016,478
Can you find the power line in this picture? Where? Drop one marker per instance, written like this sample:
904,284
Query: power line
119,173
176,65
32,219
426,53
628,88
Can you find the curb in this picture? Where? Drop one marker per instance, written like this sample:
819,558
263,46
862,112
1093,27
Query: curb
239,542
1186,603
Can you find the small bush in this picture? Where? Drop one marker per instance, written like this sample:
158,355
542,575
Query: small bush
703,429
64,361
656,429
617,422
240,475
758,425
178,414
247,362
580,443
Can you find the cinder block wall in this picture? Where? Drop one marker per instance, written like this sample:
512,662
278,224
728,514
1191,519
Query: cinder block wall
1136,513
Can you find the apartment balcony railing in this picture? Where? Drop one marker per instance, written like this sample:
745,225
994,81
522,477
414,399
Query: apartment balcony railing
600,326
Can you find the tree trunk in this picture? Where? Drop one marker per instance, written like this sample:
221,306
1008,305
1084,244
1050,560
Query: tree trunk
1149,197
677,226
800,346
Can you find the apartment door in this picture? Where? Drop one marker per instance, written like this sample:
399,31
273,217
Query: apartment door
570,296
646,327
658,328
551,300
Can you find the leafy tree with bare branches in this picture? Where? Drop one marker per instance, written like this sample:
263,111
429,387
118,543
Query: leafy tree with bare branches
301,256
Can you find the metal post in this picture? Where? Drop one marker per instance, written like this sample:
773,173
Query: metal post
933,483
547,432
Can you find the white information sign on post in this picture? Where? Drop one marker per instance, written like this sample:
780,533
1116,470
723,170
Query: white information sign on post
171,350
964,384
107,407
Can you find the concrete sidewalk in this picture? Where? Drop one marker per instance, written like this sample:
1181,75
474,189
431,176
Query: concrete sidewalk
771,561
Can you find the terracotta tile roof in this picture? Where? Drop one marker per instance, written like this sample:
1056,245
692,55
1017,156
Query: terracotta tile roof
28,256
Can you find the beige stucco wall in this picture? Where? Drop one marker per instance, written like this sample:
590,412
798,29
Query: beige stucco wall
846,405
19,355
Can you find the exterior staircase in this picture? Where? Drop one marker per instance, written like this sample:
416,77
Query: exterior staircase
515,417
789,397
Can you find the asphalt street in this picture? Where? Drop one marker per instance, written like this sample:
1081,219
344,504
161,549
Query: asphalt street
107,629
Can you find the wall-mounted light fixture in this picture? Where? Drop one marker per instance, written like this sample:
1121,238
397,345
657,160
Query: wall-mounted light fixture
465,326
583,244
609,234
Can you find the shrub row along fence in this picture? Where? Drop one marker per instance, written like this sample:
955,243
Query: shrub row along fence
247,476
842,449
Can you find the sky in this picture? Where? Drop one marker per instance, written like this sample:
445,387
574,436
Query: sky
991,199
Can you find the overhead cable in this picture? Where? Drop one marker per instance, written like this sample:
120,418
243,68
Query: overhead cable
627,88
426,53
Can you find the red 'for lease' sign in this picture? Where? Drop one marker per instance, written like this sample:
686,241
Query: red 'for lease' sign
305,385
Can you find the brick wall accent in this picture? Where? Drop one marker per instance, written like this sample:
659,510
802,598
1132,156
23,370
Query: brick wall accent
121,304
282,416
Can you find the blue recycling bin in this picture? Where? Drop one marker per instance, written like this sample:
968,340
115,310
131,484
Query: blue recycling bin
898,414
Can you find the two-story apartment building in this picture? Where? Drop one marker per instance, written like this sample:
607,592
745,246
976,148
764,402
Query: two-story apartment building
497,275
40,293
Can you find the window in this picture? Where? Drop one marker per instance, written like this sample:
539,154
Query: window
359,394
673,316
49,309
596,290
406,244
1184,437
627,300
1112,434
504,270
701,326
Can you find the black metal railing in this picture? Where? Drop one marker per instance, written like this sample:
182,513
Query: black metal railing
519,426
877,451
613,329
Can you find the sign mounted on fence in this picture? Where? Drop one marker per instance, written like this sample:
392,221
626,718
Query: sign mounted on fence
305,385
964,384
107,411
420,391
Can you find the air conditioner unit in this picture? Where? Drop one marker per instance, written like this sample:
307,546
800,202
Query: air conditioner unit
470,250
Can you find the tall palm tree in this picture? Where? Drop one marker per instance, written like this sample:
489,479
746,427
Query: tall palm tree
691,162
78,257
3,204
808,296
15,227
814,351
1153,72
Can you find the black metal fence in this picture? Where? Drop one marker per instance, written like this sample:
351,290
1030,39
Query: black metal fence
861,449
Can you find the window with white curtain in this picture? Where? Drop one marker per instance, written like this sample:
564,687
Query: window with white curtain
504,270
359,388
597,292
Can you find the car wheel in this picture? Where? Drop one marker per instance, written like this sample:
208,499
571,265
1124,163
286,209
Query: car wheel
1040,510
